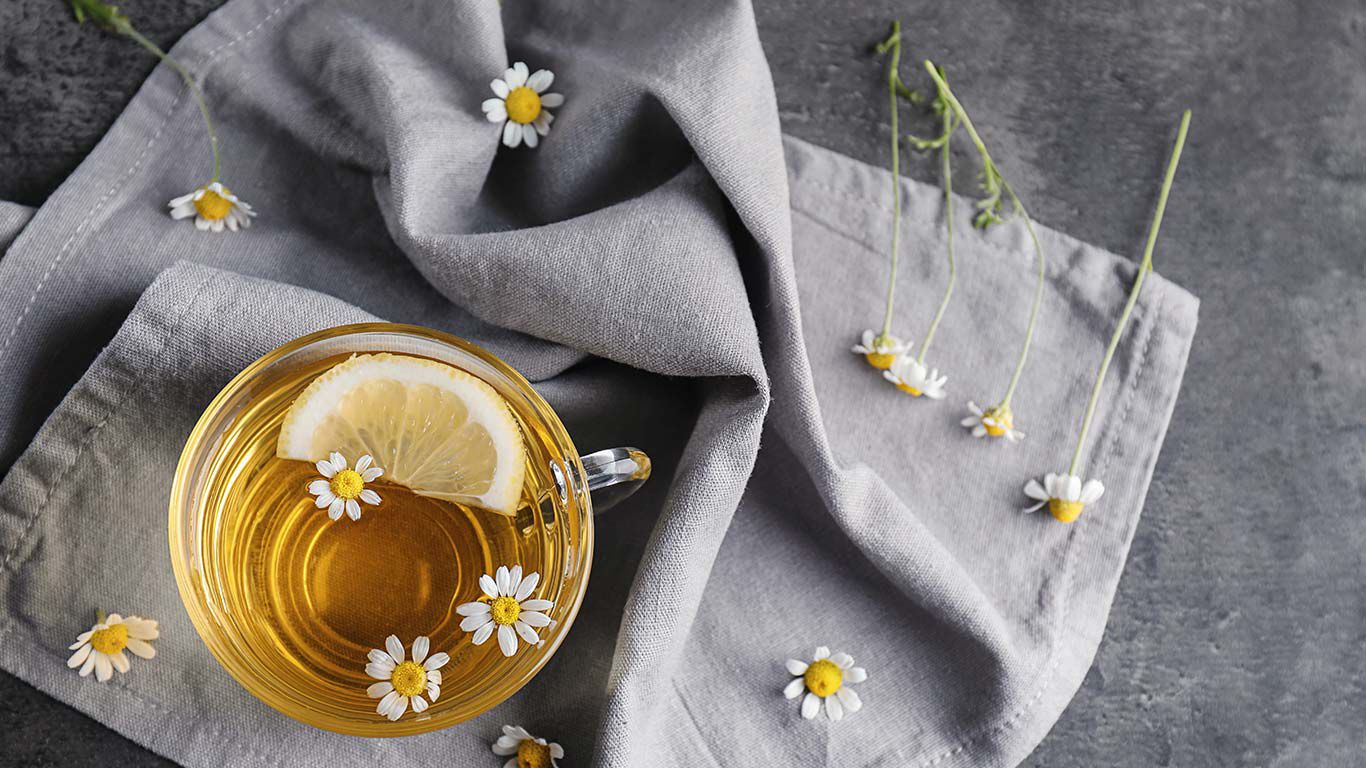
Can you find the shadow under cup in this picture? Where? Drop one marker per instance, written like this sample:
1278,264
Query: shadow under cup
291,613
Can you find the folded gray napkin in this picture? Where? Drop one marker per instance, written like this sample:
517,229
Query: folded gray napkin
671,273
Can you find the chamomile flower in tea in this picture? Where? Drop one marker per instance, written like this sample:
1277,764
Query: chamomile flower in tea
403,681
509,610
826,680
526,751
343,489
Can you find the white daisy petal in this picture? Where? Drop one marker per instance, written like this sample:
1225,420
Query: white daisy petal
371,475
482,634
1035,491
822,652
507,640
104,668
514,579
527,586
489,586
433,675
336,508
540,80
810,706
796,667
834,709
78,658
353,509
856,675
319,487
534,618
379,690
472,609
370,497
556,751
421,646
849,698
88,665
512,134
419,704
325,469
471,623
385,703
794,688
433,689
381,658
842,660
537,605
503,579
552,100
435,662
1092,491
338,461
528,634
500,88
394,647
530,136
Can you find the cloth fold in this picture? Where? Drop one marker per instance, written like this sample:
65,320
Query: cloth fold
672,274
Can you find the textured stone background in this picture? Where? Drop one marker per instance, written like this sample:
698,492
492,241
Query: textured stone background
1238,636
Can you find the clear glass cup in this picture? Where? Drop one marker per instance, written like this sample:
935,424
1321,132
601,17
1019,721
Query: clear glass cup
205,554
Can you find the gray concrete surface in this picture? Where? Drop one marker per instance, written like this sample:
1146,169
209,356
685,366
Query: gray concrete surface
1238,637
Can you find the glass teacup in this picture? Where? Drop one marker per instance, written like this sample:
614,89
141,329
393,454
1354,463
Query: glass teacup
291,601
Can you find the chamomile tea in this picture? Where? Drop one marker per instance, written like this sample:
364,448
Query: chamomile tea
355,496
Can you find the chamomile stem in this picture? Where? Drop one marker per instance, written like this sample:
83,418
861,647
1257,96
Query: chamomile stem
946,175
1024,214
185,75
1144,267
100,617
894,43
1038,296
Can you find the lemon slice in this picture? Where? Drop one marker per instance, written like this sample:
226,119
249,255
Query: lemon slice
434,429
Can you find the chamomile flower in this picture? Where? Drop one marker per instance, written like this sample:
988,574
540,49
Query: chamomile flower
343,489
522,104
214,207
1065,495
403,681
826,679
996,421
507,610
911,376
880,351
526,751
101,648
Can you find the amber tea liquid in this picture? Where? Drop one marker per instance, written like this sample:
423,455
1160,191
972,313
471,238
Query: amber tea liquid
308,597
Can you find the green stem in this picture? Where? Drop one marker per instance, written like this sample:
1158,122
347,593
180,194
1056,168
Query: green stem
1144,267
946,175
100,617
894,42
127,29
1024,214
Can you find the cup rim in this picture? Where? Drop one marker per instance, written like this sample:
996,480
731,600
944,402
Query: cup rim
211,633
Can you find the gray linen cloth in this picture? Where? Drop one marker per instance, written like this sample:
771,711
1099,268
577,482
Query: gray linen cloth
673,274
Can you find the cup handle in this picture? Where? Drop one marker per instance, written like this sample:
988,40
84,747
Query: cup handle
614,474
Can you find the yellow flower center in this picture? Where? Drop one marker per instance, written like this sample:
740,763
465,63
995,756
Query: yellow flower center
213,206
823,677
532,754
347,484
110,640
409,678
524,105
880,361
1065,511
910,389
505,610
1000,421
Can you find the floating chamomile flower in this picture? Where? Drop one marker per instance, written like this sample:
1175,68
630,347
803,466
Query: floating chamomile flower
826,679
508,610
1065,495
214,207
911,376
526,751
880,350
996,421
343,489
402,682
101,648
523,103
